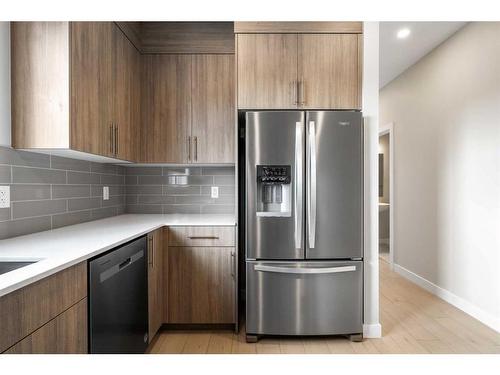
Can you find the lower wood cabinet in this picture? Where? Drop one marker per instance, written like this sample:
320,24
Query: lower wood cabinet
65,334
38,305
201,285
155,281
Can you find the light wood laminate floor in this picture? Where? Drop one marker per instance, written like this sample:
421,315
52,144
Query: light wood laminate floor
413,321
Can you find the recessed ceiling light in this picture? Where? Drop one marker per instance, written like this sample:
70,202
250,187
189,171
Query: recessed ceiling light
403,33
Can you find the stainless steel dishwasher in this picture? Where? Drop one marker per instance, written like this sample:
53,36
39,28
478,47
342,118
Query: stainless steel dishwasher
118,309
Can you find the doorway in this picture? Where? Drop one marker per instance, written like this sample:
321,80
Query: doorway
386,193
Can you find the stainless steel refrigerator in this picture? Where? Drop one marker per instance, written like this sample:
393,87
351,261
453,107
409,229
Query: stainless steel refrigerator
303,218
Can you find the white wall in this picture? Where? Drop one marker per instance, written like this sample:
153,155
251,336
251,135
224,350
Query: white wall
4,83
372,327
446,114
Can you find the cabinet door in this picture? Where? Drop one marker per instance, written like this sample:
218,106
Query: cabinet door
213,111
155,281
328,71
167,119
65,334
200,285
92,87
124,96
267,71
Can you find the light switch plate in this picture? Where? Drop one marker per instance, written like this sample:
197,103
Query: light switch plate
105,193
215,192
4,196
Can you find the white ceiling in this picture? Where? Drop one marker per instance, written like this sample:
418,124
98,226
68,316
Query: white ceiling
397,55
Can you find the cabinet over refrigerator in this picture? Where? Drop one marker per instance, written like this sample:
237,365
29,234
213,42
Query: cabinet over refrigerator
302,210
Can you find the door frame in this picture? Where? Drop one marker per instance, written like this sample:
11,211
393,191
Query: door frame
383,130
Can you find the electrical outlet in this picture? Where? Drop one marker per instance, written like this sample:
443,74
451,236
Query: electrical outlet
105,193
215,192
4,196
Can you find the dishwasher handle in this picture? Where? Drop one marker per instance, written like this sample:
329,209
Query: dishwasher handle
113,270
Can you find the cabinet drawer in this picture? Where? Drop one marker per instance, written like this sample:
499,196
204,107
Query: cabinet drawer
65,334
201,236
25,310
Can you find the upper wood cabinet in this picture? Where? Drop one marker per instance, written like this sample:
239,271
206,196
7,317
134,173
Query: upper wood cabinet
188,109
212,130
92,87
71,88
267,71
166,108
126,94
304,71
329,71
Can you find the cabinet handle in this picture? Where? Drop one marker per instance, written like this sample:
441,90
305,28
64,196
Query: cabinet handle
111,139
189,147
294,91
150,251
203,237
301,93
116,139
233,264
195,148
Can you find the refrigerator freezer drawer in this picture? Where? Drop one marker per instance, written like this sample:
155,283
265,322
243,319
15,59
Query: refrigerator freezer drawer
304,298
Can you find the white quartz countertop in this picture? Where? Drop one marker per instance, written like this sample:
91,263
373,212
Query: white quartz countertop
61,248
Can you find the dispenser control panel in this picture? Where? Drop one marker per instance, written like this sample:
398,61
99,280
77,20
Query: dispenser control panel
274,174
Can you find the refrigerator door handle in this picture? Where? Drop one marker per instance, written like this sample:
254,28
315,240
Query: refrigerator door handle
297,270
311,185
298,183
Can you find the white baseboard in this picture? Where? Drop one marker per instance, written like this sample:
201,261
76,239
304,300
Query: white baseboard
460,303
372,331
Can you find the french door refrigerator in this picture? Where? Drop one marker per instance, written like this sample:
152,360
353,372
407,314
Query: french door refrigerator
303,223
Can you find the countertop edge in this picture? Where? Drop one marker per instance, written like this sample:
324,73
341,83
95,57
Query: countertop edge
71,261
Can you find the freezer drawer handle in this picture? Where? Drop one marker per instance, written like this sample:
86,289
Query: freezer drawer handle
304,270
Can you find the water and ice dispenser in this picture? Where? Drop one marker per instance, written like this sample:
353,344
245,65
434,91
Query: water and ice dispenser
274,190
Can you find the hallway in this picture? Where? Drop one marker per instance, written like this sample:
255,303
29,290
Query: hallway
413,322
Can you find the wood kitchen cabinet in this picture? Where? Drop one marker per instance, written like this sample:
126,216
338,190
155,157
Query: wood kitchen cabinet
212,129
166,104
51,313
267,71
65,334
201,286
188,109
329,72
155,281
72,88
299,71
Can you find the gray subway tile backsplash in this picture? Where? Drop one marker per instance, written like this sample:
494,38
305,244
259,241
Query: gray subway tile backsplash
49,192
183,190
13,228
70,191
26,192
24,158
24,175
83,178
38,208
57,162
5,175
